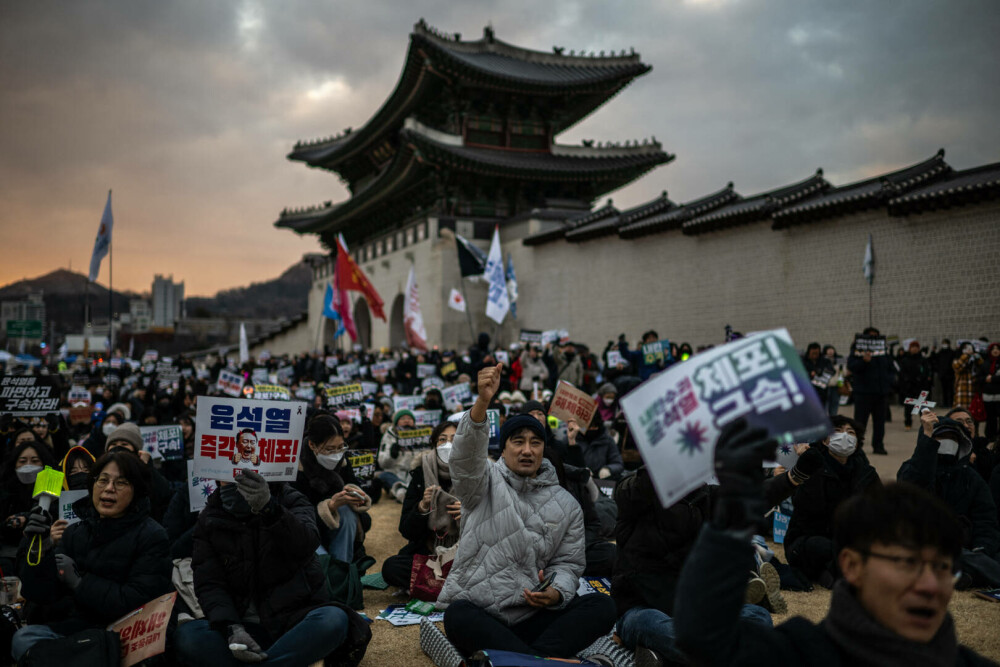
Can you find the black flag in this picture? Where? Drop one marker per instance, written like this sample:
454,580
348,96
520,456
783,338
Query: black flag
471,260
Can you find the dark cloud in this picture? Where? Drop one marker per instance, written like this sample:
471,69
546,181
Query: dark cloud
187,108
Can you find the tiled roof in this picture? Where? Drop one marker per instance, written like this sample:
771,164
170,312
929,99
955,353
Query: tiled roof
675,217
959,188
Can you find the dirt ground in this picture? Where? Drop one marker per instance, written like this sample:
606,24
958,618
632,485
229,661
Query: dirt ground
977,620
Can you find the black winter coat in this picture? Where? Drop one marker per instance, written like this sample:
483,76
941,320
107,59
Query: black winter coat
412,524
915,375
958,485
872,378
124,564
595,453
653,542
179,522
818,497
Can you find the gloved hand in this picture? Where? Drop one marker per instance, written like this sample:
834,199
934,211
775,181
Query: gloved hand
604,472
394,450
243,646
254,490
810,462
739,457
68,572
39,523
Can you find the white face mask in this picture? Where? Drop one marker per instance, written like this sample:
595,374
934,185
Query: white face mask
948,447
444,452
108,429
329,461
26,474
608,401
842,444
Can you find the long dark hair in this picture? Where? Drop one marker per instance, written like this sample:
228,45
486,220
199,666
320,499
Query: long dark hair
44,453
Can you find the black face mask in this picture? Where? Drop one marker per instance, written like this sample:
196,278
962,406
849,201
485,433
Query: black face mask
77,481
570,355
432,404
233,501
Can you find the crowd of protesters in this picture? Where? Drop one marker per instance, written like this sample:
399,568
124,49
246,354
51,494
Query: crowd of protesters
270,573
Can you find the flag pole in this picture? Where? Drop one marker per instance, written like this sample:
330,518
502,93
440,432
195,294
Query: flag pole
468,315
870,302
111,294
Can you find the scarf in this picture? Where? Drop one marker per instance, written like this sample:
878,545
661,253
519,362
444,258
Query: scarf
866,643
446,529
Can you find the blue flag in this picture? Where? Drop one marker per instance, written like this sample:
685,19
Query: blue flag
330,312
103,241
511,286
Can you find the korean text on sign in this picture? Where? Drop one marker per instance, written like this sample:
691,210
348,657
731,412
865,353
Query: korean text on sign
570,403
232,435
28,396
415,439
350,394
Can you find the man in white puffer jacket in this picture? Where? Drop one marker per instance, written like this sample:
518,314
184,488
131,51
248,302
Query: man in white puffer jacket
519,528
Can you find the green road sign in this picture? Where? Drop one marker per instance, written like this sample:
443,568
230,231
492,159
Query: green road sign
24,328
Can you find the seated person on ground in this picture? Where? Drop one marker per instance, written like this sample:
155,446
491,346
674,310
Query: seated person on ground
897,547
395,462
260,584
114,560
431,514
520,529
653,543
826,474
327,480
594,449
940,465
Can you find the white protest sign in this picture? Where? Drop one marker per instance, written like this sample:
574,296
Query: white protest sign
348,371
550,336
163,442
199,489
434,381
369,388
232,434
66,500
502,357
426,370
615,359
407,402
427,417
284,374
331,362
143,632
259,376
78,395
230,384
306,392
457,395
677,416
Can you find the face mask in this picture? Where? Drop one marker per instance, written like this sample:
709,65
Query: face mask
608,401
432,404
77,481
26,474
329,461
108,429
233,501
945,448
444,452
842,444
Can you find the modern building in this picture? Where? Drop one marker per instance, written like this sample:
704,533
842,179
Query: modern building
168,301
30,308
467,142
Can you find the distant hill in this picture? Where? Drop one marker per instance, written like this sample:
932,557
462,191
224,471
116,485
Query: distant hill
283,297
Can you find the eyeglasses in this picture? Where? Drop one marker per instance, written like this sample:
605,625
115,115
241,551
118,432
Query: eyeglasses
913,566
328,451
120,483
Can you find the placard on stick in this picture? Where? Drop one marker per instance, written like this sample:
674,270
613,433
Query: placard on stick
677,416
570,403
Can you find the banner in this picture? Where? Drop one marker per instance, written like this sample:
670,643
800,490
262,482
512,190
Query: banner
350,394
271,392
413,320
66,500
199,489
874,344
414,439
143,632
676,416
230,384
233,435
362,462
456,395
407,402
531,336
33,396
570,403
163,442
427,417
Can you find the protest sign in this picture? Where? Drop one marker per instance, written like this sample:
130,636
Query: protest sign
232,434
78,395
427,417
362,462
284,374
31,396
434,382
502,357
369,388
369,409
66,500
381,369
822,380
677,416
780,527
351,414
874,344
230,384
349,371
331,362
143,632
570,403
407,402
149,356
448,368
414,439
615,359
550,336
199,489
456,395
530,336
259,375
426,370
588,585
363,371
163,442
979,346
349,394
82,379
400,616
271,392
79,414
306,392
493,419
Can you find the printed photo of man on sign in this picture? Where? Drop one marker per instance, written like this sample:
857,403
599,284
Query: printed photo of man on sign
233,435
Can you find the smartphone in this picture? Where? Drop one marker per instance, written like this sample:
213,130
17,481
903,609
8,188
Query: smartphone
355,494
544,584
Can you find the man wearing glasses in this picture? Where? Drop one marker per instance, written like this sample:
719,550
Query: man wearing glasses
897,546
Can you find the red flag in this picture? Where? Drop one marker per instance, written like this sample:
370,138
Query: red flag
350,277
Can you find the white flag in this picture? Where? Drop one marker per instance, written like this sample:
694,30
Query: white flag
869,265
498,301
244,346
413,320
103,241
456,301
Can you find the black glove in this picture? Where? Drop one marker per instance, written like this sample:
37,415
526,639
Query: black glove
39,523
739,464
68,572
244,647
394,450
810,462
253,487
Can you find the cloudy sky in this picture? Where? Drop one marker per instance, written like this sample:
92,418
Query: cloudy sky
186,108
